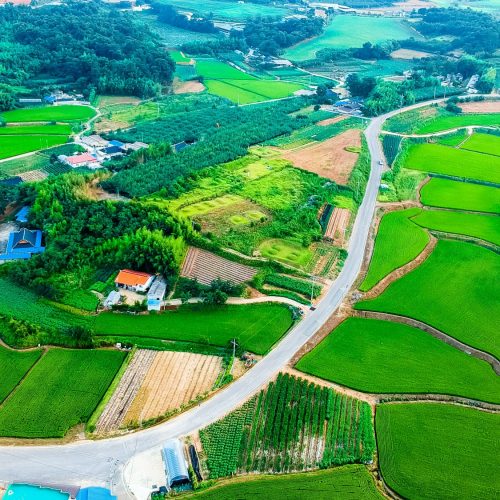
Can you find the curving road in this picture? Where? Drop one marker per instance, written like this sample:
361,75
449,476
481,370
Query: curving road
98,462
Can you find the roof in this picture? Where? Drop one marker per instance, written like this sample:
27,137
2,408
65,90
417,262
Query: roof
79,159
22,244
95,493
158,289
111,150
112,299
116,143
132,278
24,239
175,463
12,181
22,215
180,146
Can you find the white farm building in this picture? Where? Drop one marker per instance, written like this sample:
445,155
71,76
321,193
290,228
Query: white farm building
176,470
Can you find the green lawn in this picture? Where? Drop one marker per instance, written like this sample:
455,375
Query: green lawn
431,451
217,70
13,145
483,143
446,193
455,289
441,123
351,31
62,390
350,482
63,113
178,57
37,130
256,326
235,94
484,227
383,357
398,242
455,162
13,367
289,252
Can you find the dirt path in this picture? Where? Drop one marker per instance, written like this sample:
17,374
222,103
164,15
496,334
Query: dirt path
467,349
438,134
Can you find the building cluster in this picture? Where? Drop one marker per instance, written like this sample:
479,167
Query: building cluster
99,150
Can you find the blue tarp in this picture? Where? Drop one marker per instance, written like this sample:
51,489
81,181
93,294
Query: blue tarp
95,493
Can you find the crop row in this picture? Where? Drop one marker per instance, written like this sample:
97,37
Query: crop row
295,285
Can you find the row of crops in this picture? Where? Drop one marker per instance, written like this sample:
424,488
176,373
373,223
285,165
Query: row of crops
293,425
295,285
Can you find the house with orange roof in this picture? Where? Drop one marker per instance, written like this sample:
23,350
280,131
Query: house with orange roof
134,280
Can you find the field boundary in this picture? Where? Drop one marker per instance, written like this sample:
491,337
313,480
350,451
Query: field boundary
438,334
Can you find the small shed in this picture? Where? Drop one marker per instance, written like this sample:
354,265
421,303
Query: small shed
176,470
22,215
156,294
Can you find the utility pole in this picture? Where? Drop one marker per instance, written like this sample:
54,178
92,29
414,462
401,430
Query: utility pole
234,354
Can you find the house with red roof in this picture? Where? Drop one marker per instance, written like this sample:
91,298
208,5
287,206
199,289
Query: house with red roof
81,160
134,280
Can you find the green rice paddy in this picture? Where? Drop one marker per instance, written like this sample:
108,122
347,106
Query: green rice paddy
431,450
454,162
257,327
178,57
398,242
446,193
36,130
352,31
61,391
382,357
484,227
455,289
14,145
63,113
445,122
350,482
483,143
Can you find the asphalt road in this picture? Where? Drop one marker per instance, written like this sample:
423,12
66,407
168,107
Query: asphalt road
98,462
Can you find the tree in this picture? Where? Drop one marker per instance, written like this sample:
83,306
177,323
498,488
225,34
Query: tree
360,87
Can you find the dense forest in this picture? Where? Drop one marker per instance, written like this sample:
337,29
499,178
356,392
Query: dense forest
219,135
82,234
83,45
168,15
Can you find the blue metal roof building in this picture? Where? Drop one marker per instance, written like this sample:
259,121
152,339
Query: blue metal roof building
22,215
23,244
95,493
175,464
116,143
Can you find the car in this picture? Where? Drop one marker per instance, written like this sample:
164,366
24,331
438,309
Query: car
380,162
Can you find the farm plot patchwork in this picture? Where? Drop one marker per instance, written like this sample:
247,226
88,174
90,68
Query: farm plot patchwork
454,162
462,299
13,367
382,357
255,326
444,193
480,107
333,159
173,379
397,243
291,425
206,267
350,482
431,450
61,391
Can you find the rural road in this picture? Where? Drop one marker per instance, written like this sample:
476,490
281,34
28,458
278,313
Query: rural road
102,462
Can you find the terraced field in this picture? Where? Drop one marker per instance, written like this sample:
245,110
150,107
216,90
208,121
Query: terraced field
431,451
396,358
460,299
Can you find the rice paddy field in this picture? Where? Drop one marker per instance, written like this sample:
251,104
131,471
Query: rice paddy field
352,31
14,145
444,193
483,143
13,367
484,227
257,327
391,358
445,160
350,482
61,391
441,123
455,290
429,450
242,88
389,254
63,113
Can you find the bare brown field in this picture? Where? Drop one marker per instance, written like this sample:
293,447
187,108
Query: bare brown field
112,100
337,225
409,54
206,267
330,121
191,87
173,379
33,176
481,107
329,158
114,412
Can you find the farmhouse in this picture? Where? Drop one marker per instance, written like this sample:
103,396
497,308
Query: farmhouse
134,280
81,160
23,244
94,141
156,294
175,463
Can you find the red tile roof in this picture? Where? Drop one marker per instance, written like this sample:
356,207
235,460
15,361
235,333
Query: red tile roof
83,158
132,278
